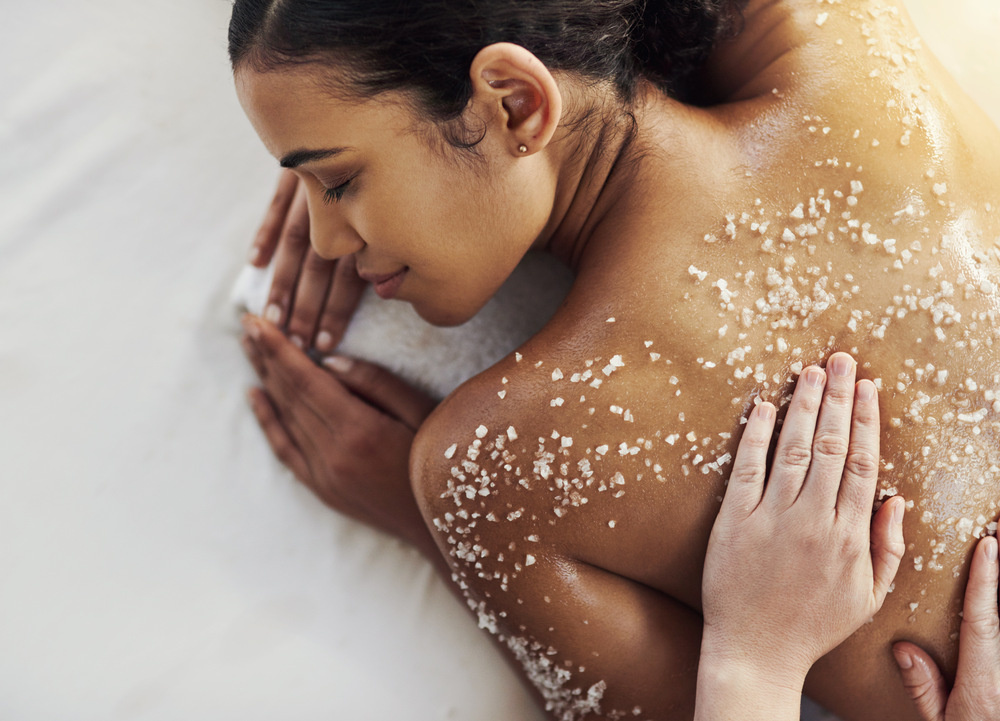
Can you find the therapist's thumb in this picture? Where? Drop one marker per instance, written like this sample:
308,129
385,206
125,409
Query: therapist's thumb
923,680
382,388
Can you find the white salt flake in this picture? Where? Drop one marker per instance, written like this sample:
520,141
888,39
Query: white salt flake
450,452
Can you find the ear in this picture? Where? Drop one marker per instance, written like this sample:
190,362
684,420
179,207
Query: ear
513,86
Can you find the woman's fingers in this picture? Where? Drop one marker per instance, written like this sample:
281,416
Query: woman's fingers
266,241
833,433
860,476
887,546
923,681
979,644
342,301
292,247
282,444
794,451
746,482
310,297
383,389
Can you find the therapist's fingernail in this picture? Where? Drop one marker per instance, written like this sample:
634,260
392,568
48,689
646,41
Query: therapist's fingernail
990,547
814,377
338,363
840,365
272,314
324,341
903,659
897,512
866,390
297,342
765,411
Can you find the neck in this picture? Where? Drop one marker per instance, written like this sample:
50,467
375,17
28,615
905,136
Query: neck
665,144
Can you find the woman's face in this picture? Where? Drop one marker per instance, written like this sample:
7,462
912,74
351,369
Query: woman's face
425,225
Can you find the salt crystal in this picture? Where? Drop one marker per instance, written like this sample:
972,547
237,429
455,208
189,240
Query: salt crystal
610,320
557,375
821,19
450,452
511,433
482,431
529,560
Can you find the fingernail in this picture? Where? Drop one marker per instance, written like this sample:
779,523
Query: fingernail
897,512
297,342
272,314
815,377
324,341
765,411
338,363
841,365
250,326
903,659
866,391
254,255
991,549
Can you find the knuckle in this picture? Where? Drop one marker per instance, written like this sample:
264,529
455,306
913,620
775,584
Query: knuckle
795,455
861,463
983,627
747,475
830,445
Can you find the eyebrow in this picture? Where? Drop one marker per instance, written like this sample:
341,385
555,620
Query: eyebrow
298,157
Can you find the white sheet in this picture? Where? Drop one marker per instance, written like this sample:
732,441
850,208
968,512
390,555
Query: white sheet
155,561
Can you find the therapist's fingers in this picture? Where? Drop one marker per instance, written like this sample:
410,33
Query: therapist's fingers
342,301
979,642
277,437
269,232
857,488
833,434
887,547
746,482
923,681
310,297
794,451
292,246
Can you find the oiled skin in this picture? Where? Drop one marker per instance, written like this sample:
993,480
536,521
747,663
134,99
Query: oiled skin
621,601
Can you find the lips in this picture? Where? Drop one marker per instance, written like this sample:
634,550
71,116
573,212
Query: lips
386,284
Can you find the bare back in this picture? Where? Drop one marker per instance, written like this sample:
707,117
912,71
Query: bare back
575,484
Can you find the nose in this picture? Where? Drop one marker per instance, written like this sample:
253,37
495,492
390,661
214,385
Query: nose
331,235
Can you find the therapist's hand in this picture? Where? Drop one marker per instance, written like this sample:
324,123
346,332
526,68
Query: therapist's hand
345,431
312,299
796,564
976,694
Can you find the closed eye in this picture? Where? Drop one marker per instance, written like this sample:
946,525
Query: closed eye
335,194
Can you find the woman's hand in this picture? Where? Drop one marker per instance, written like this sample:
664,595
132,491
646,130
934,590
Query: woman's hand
791,571
344,431
976,694
311,298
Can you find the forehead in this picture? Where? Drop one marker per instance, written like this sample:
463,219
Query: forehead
295,108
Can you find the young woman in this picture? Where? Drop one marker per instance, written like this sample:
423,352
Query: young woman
832,190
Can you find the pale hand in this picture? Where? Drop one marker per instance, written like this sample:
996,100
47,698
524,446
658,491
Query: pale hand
796,564
976,694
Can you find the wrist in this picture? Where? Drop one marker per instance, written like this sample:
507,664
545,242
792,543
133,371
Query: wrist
739,689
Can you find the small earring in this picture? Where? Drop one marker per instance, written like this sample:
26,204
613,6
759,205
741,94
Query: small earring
522,148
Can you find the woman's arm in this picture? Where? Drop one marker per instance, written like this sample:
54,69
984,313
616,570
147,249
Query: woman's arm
791,569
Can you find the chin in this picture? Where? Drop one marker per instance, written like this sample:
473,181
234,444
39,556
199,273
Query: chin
442,317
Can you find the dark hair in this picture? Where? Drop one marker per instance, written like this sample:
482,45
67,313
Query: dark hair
427,46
